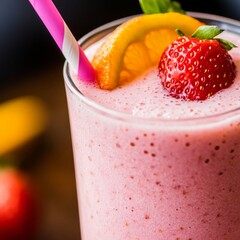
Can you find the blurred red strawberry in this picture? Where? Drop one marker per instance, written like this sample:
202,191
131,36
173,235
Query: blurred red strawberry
18,206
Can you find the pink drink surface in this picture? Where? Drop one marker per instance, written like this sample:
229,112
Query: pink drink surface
146,98
157,179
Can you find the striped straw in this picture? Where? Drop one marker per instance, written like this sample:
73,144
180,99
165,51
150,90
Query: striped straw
64,39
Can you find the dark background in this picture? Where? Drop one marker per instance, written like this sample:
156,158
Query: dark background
25,44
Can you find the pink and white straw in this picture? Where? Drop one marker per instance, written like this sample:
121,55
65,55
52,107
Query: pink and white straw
64,39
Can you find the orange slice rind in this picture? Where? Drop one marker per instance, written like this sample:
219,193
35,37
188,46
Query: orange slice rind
136,45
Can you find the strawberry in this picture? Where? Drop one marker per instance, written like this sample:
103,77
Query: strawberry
18,208
196,67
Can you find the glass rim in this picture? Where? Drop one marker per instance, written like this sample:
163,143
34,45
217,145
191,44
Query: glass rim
229,24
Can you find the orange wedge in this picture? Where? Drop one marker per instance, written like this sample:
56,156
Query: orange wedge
137,45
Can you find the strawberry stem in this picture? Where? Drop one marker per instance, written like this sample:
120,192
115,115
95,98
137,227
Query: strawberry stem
180,33
9,161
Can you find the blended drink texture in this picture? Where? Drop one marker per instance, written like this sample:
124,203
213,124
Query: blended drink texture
151,174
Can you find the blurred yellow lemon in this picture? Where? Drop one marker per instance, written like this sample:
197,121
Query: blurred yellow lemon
21,120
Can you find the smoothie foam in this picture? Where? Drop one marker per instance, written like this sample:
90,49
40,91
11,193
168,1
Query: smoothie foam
161,178
145,97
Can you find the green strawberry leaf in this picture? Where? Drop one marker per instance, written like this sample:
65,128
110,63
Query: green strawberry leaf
176,7
160,6
207,32
226,44
149,6
210,32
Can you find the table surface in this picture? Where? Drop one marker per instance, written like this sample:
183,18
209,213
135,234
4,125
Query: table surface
51,164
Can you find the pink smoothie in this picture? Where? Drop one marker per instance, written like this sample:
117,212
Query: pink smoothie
151,167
